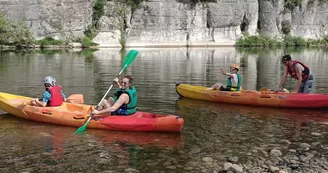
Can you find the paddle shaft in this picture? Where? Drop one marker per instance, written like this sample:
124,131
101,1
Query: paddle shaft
111,86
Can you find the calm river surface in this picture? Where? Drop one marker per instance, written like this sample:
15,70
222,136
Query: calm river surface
254,139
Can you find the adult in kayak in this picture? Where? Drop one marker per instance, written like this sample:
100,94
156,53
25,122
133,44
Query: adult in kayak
124,102
233,81
300,72
52,96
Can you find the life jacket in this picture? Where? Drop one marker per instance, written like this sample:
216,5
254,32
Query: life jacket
234,87
56,96
131,107
291,70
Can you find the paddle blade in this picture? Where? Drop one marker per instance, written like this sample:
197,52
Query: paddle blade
81,129
129,58
84,127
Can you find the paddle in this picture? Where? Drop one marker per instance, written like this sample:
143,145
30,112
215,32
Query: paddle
129,58
76,98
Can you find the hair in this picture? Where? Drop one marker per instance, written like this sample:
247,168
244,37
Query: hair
286,57
129,77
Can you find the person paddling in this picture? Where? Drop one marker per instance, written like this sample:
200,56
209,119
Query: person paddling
124,102
233,81
52,96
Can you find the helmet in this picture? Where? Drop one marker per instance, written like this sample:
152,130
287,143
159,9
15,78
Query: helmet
235,66
49,80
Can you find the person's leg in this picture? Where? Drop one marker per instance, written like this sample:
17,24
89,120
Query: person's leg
110,101
301,89
216,86
308,84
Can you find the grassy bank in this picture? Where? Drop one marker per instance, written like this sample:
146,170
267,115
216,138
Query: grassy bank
287,41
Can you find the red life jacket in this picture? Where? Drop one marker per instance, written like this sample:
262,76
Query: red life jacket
56,96
291,70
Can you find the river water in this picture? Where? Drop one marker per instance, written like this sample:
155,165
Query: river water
254,139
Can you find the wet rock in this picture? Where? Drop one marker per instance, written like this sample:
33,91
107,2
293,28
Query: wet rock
282,171
236,168
249,154
44,134
275,153
166,163
188,168
131,170
108,171
315,144
171,167
305,146
195,150
284,141
233,159
264,166
152,163
292,150
323,171
273,169
265,154
207,159
192,163
226,166
315,134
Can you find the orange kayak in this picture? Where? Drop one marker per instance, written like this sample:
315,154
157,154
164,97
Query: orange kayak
75,115
256,98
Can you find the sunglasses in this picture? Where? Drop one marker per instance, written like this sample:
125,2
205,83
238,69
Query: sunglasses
122,82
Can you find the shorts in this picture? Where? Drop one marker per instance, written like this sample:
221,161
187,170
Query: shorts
224,89
120,112
306,86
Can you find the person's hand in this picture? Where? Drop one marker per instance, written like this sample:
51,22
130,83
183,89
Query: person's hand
116,80
95,112
223,72
35,99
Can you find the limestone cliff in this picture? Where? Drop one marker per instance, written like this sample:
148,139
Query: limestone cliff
171,22
60,19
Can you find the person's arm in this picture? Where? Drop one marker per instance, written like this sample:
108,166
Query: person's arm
40,103
124,98
64,96
45,98
117,81
283,79
227,74
298,71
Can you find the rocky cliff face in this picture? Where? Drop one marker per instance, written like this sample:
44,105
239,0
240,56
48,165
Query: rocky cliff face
171,22
59,19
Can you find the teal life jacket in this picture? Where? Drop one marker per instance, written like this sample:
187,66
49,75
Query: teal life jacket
234,87
131,107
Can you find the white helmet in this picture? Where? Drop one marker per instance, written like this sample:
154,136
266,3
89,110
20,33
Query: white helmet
49,80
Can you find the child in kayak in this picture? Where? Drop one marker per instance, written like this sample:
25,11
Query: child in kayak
52,96
233,82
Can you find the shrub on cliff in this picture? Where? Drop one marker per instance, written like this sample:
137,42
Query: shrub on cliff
14,32
291,4
98,10
256,41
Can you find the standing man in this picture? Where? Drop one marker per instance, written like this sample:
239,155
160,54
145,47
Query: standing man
300,72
